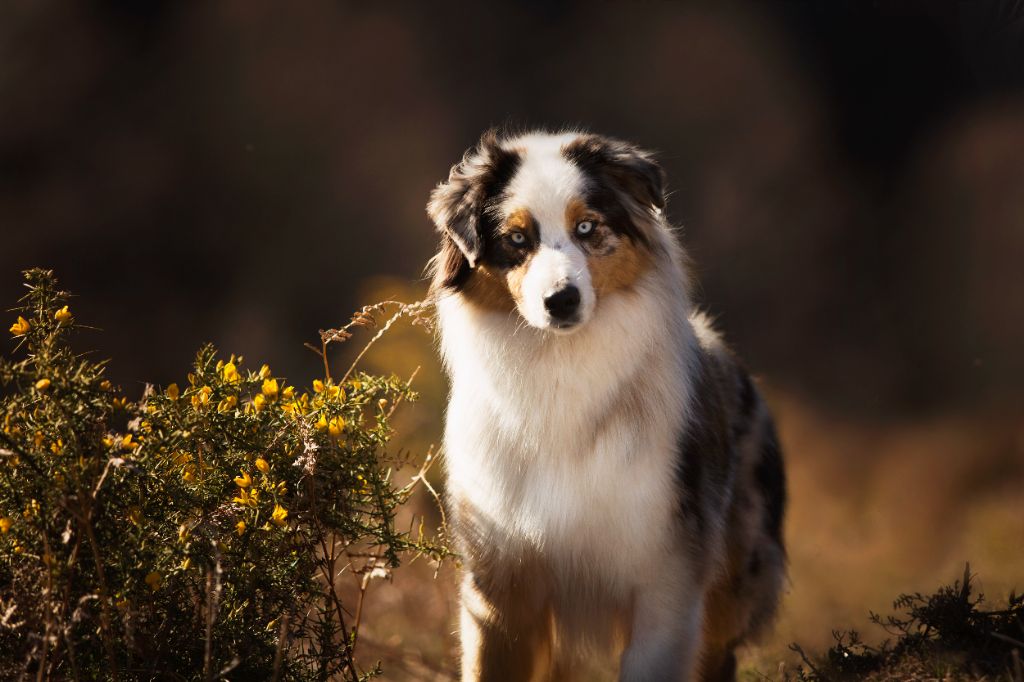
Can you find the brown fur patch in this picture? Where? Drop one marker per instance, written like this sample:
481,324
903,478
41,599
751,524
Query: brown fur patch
619,268
496,284
488,290
614,262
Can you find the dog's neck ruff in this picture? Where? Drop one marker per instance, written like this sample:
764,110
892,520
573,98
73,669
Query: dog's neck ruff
547,391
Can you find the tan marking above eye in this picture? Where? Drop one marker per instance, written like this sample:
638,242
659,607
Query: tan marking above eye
521,220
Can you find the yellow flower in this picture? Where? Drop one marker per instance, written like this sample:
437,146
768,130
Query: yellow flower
270,388
288,393
202,398
186,563
259,401
228,403
336,426
173,392
105,385
6,523
154,579
189,474
243,481
108,441
262,465
20,327
127,443
240,528
63,315
321,423
318,386
18,549
265,372
43,384
31,509
242,497
119,403
57,447
279,515
231,373
382,403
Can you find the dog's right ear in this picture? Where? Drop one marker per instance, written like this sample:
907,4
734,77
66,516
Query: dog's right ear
457,206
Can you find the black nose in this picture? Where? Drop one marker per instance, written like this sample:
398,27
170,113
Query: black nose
563,303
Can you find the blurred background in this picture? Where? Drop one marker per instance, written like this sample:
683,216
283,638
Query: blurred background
849,177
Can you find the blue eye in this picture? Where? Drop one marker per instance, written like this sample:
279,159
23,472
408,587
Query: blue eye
585,227
518,238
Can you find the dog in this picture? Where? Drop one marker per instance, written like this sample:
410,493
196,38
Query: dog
614,479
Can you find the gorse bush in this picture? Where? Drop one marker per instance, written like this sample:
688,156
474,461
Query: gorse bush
197,532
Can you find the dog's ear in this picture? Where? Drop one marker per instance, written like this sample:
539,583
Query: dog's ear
631,169
457,205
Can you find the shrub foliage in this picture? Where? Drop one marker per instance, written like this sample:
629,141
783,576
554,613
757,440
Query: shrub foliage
945,635
197,532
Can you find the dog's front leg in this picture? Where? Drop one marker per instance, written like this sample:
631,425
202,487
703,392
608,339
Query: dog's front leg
665,637
504,634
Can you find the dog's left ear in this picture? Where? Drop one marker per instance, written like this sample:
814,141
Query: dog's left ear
631,169
457,205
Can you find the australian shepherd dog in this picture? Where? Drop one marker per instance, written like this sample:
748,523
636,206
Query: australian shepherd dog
613,475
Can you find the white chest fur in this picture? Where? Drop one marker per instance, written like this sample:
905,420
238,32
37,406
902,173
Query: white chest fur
567,443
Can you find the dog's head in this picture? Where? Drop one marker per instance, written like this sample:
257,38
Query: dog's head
546,224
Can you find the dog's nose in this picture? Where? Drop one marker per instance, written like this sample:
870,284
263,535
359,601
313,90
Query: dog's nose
563,303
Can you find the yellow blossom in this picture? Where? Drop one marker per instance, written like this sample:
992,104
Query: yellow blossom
243,481
20,327
259,402
318,386
262,465
356,385
239,528
336,426
173,391
242,497
279,515
154,579
43,384
265,372
186,563
63,315
5,524
321,423
335,393
127,443
119,403
189,474
288,393
108,441
270,388
382,403
202,398
31,509
231,373
18,549
105,385
57,446
228,403
38,438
